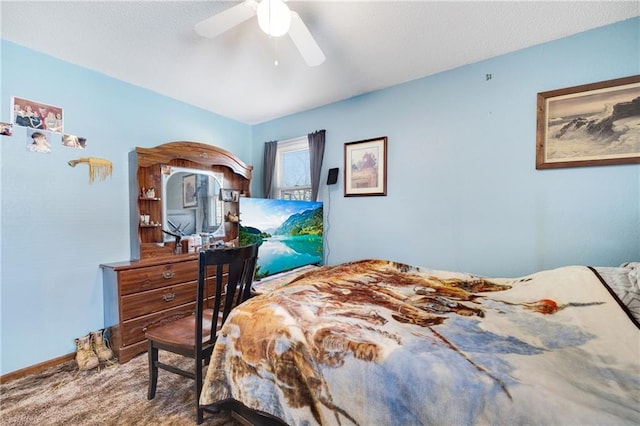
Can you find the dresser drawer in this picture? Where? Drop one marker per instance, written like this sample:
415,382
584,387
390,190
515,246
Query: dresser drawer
132,331
147,302
152,277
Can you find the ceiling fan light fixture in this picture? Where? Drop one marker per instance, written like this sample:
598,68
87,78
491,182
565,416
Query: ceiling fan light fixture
274,17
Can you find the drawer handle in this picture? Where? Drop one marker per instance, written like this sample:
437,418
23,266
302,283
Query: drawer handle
168,274
169,297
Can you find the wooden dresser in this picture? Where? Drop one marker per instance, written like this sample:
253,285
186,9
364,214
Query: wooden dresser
139,294
158,285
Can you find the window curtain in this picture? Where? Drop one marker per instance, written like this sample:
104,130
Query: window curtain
316,153
268,167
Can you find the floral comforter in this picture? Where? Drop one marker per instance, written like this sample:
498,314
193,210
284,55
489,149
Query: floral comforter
381,343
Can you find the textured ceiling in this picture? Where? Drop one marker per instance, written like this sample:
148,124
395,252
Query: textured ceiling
369,45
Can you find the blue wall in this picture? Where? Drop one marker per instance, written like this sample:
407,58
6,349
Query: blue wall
56,227
463,192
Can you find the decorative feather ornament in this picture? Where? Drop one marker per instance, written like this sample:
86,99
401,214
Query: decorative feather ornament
97,167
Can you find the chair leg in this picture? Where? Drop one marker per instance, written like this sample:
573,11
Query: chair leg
200,415
153,370
199,389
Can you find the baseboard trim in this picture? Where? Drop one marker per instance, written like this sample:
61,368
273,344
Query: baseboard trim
37,368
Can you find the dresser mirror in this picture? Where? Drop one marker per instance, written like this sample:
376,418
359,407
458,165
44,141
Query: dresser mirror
192,202
174,190
172,187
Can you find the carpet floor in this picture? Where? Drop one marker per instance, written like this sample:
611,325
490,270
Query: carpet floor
108,395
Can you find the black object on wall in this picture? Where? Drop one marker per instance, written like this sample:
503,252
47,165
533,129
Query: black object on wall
332,176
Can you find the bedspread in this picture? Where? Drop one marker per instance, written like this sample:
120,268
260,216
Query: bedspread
382,343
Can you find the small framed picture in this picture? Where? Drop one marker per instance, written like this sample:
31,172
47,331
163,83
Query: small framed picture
365,167
229,194
189,191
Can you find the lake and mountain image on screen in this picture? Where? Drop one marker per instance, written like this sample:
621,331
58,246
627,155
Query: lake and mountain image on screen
289,233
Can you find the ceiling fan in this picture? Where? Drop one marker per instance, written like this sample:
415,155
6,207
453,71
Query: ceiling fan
274,18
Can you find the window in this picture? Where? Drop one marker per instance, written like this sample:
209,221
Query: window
293,170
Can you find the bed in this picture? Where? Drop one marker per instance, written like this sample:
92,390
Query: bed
376,342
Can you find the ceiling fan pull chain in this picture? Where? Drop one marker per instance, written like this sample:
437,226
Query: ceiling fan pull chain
270,32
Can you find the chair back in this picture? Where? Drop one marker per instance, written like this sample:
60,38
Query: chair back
233,276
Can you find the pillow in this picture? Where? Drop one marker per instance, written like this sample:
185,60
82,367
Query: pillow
624,282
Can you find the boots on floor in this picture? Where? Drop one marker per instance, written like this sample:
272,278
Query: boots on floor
85,357
102,351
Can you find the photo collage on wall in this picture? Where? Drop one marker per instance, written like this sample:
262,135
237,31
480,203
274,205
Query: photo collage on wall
44,126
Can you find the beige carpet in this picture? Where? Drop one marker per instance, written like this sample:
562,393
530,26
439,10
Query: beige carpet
112,395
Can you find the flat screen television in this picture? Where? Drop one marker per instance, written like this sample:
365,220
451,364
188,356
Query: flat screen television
289,233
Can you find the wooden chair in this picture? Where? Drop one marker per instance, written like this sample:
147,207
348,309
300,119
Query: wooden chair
195,336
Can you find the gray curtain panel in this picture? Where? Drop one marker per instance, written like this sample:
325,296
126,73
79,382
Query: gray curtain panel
316,153
268,167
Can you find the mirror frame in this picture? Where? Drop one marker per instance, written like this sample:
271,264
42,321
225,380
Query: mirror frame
171,171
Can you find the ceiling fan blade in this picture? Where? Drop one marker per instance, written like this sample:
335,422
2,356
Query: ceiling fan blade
305,42
227,19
